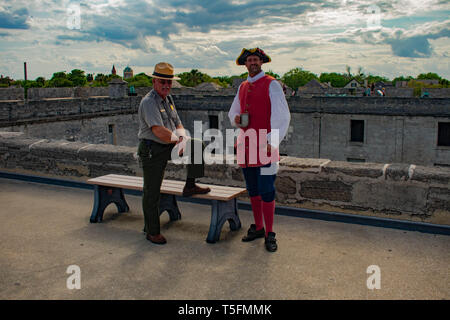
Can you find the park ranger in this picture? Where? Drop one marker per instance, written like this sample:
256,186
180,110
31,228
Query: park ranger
160,130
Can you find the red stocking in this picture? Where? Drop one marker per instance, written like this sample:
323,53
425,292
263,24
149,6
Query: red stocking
268,209
257,212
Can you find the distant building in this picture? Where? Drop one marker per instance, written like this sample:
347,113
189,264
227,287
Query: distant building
314,88
127,73
428,82
354,87
176,84
208,86
383,84
353,84
113,71
401,84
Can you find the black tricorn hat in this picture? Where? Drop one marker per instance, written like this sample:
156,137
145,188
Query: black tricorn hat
250,52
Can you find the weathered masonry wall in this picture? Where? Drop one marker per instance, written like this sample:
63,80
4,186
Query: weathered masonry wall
56,93
12,94
400,191
396,130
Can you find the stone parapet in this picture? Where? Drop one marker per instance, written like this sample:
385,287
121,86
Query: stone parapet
47,109
401,191
12,94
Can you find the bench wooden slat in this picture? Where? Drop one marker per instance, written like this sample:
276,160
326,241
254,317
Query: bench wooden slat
139,180
178,185
174,187
226,189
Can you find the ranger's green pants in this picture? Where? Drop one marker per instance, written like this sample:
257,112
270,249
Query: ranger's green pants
153,157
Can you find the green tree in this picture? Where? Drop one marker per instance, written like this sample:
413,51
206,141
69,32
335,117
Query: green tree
191,78
140,80
77,77
225,81
359,76
194,77
428,76
5,81
372,79
297,77
273,74
337,80
40,81
402,78
102,80
59,79
444,82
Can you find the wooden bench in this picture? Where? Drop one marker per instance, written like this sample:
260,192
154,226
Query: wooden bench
109,189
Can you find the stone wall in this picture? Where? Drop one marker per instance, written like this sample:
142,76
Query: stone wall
76,92
46,93
399,191
437,92
55,110
85,92
55,93
400,92
402,130
12,94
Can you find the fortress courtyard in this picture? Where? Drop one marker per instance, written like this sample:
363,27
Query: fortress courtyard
45,229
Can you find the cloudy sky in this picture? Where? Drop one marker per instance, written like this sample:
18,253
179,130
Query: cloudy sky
389,38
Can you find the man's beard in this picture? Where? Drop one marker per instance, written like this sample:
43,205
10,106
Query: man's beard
255,68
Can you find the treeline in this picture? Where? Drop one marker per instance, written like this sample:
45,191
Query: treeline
294,78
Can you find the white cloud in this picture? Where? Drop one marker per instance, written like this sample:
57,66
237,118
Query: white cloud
320,36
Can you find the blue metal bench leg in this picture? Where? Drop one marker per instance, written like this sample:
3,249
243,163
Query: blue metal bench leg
168,202
223,211
103,196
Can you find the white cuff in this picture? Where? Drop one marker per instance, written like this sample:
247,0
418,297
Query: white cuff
274,139
181,132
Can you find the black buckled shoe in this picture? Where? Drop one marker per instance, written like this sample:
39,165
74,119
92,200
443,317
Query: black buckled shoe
271,242
253,234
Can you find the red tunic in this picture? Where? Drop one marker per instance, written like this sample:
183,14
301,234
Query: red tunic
254,98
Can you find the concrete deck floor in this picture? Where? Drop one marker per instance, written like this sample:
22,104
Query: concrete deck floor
44,229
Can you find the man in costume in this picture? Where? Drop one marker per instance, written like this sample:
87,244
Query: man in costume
160,130
261,112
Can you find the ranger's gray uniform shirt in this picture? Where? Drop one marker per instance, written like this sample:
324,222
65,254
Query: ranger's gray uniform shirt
154,111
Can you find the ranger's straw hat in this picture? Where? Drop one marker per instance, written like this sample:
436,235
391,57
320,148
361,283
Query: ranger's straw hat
164,70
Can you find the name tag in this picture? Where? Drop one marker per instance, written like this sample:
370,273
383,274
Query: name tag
163,110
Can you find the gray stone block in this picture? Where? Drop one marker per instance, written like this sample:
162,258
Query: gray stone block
395,196
368,170
326,190
432,175
285,185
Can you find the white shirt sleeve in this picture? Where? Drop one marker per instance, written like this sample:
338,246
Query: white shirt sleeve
280,115
235,109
